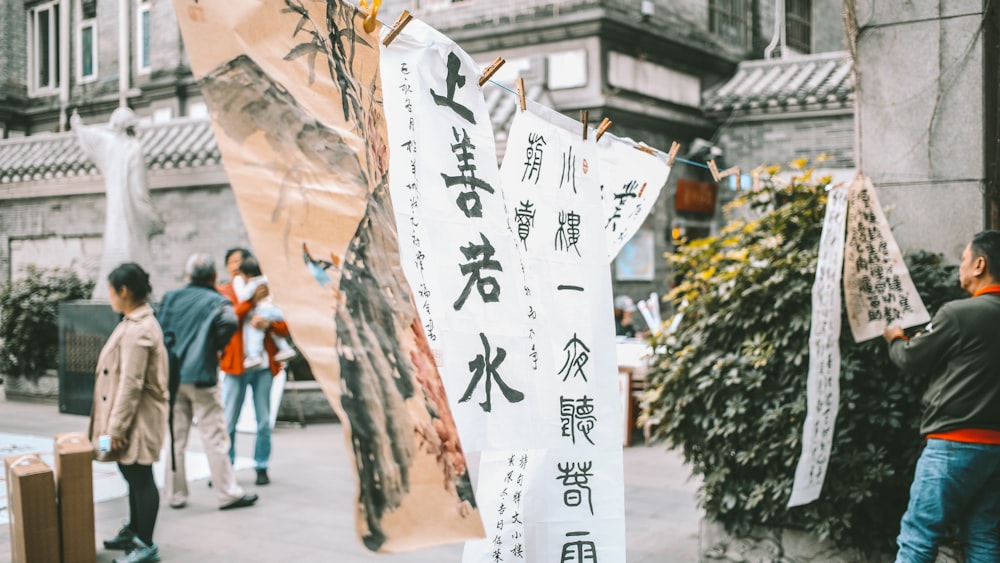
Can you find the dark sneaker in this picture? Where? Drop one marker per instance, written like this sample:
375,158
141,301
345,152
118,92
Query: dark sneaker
122,541
141,553
262,478
245,500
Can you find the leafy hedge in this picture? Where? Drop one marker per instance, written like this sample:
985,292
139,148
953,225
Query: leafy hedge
729,387
29,318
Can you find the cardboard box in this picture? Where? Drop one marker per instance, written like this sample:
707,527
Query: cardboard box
75,490
31,501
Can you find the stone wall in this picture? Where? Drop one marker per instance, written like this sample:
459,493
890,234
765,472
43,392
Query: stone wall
748,144
199,219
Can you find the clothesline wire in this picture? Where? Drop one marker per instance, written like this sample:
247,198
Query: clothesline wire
676,159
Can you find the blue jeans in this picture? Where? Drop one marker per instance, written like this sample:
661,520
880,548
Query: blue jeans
954,483
234,390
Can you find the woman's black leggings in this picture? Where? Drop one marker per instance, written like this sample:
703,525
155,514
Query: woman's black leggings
143,500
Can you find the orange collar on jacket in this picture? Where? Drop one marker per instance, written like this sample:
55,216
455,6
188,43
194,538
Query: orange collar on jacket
995,288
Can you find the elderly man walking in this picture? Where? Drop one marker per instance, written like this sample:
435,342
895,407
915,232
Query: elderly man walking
198,322
957,479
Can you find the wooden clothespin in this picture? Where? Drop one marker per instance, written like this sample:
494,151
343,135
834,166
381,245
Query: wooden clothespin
675,147
370,19
521,101
645,149
491,70
397,27
718,176
605,124
584,118
756,180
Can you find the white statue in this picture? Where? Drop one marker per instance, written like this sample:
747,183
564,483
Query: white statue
130,219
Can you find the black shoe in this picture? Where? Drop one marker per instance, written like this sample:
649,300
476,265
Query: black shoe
245,500
122,541
140,553
262,478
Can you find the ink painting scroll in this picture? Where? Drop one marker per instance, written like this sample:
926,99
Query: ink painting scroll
295,99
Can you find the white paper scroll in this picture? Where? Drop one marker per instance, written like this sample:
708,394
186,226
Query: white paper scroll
823,384
877,286
575,489
456,249
631,181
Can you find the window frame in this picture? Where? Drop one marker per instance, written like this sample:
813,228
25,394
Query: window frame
55,36
143,7
736,14
801,23
83,23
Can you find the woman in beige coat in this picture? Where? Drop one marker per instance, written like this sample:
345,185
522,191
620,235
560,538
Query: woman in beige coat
130,407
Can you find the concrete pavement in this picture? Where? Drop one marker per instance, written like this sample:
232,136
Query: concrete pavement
306,513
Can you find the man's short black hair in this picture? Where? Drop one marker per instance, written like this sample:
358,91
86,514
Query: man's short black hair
987,245
244,253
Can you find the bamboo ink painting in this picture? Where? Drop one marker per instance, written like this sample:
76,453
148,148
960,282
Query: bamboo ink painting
295,98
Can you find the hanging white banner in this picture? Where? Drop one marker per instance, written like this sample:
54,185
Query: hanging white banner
631,181
878,290
455,245
575,488
823,383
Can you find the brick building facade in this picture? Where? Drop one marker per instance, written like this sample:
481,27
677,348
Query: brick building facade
644,65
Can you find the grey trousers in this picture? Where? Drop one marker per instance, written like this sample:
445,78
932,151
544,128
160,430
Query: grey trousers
203,404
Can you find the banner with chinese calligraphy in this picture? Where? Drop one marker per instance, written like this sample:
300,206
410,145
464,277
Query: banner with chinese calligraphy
823,383
295,102
878,291
575,490
631,181
457,250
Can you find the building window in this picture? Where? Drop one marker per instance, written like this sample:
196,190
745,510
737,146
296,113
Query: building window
43,48
798,25
86,42
142,38
732,20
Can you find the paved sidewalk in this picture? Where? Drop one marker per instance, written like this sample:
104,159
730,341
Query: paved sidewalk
306,513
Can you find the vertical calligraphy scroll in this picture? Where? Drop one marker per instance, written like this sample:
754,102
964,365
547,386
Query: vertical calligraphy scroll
574,486
457,249
294,94
823,383
631,181
877,287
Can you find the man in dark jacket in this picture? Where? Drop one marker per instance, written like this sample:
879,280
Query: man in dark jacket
957,479
197,323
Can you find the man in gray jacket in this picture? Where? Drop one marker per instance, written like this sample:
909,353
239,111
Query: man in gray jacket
197,323
957,479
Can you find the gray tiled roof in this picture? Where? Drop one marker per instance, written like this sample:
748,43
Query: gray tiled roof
823,80
181,143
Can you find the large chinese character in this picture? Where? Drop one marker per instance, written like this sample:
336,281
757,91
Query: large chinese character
468,201
568,233
577,416
576,478
481,258
577,356
580,551
628,191
568,169
524,216
533,160
484,365
454,80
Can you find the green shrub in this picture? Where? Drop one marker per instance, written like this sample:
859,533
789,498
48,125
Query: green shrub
29,319
729,387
